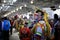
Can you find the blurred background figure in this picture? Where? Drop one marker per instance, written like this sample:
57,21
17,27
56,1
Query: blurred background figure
6,26
56,22
25,33
1,38
58,27
11,28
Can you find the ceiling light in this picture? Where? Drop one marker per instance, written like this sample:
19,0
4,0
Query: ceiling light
7,14
14,0
32,2
13,10
4,1
59,6
17,9
21,7
11,3
25,5
3,5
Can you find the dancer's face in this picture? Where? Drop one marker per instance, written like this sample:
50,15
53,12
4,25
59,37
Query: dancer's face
39,13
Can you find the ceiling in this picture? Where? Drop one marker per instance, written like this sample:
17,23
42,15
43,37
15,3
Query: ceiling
10,5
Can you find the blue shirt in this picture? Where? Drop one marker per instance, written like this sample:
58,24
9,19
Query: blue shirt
6,25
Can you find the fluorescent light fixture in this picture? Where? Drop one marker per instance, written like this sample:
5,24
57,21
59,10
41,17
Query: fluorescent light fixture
59,6
17,9
13,10
4,1
14,0
31,2
21,7
7,14
3,5
25,5
6,8
11,3
1,8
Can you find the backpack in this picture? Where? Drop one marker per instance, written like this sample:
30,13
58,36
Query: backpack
6,25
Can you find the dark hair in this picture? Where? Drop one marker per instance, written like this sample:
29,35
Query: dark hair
56,16
5,18
53,8
26,23
42,13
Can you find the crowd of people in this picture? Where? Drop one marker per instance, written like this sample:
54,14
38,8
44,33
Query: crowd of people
37,27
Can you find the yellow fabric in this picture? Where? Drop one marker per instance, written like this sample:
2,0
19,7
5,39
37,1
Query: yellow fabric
37,25
47,23
21,26
16,25
34,28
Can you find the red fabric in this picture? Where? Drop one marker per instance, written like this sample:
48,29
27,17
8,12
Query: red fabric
16,16
12,23
28,33
26,29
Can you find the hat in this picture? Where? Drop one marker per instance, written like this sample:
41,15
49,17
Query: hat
53,8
